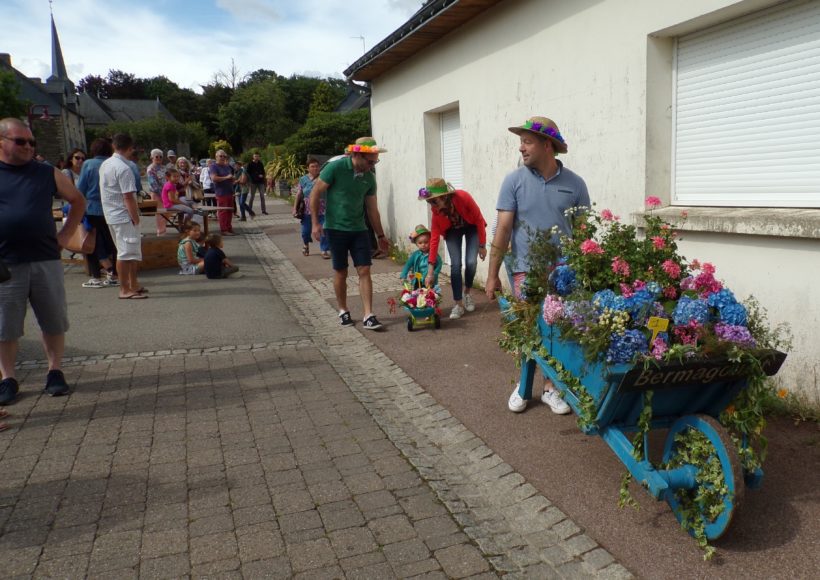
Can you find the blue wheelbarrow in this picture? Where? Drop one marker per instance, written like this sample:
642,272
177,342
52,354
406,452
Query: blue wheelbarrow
684,397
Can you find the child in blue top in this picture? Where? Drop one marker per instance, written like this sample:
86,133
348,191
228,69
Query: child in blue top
418,262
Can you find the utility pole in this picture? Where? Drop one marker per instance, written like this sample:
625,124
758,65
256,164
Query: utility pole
360,37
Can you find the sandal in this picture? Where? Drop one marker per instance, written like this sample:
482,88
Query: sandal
326,255
306,250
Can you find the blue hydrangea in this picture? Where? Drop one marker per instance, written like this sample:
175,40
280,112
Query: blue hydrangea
640,304
689,309
734,314
655,288
721,299
563,278
608,299
624,347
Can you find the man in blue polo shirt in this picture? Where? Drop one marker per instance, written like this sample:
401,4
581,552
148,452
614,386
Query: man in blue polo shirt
534,197
350,188
30,247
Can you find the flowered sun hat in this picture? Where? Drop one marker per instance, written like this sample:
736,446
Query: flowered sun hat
543,127
365,145
436,187
419,230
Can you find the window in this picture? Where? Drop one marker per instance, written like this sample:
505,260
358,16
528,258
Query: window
451,168
746,128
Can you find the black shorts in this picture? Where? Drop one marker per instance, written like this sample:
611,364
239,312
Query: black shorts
357,244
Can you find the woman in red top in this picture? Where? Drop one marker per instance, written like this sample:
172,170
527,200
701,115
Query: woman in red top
457,217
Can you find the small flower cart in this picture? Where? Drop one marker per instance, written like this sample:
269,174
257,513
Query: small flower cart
610,400
421,304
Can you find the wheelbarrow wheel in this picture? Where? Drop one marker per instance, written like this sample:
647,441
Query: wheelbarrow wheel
725,453
409,325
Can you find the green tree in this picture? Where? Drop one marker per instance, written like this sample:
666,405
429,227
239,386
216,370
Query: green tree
325,100
184,104
328,133
214,96
298,96
10,104
93,85
217,145
255,115
152,132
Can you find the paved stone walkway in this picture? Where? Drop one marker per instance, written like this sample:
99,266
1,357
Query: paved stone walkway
310,457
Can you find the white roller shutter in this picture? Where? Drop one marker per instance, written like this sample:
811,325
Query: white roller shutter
451,148
747,111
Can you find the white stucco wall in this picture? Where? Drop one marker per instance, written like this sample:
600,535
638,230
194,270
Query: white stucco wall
602,70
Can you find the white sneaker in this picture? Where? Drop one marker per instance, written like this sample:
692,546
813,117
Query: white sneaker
457,312
516,404
556,404
94,283
469,305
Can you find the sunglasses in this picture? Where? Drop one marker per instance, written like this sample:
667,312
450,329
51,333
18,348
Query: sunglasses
79,158
20,141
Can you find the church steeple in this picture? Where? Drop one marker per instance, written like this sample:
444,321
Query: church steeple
58,71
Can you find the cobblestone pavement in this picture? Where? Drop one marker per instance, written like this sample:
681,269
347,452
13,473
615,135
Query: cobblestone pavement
309,457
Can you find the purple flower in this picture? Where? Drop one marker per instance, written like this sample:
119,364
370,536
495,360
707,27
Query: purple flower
734,333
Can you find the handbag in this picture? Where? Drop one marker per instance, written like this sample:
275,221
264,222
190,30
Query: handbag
300,208
82,241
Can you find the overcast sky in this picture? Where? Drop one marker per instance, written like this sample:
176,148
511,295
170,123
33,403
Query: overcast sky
189,40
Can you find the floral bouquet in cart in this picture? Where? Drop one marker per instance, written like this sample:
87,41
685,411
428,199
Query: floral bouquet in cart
416,296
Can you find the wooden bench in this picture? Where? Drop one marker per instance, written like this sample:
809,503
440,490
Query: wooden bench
150,208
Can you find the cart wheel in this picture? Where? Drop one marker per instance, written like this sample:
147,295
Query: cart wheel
409,325
726,454
436,321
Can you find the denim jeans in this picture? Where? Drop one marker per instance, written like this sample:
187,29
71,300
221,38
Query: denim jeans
307,237
453,240
243,205
254,187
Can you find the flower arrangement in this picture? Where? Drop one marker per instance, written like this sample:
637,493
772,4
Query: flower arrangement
414,295
630,298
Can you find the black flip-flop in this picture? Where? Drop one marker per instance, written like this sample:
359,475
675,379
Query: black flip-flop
133,297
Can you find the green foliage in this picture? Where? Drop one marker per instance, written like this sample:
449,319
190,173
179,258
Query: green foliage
152,132
255,115
704,502
328,133
220,144
325,100
10,104
197,139
285,168
298,96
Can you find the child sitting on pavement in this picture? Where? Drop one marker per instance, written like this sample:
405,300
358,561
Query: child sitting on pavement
216,264
419,261
189,250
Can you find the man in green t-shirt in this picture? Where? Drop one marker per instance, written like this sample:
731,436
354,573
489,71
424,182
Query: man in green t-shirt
349,186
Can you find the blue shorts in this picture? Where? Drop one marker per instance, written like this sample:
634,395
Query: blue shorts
357,244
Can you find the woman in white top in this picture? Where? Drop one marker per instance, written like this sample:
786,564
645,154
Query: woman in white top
75,163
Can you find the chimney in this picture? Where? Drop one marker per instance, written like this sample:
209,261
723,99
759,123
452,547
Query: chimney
5,58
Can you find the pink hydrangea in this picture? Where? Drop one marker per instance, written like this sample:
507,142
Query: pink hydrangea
591,247
671,268
653,201
638,285
659,348
705,283
626,290
553,308
688,334
708,268
658,242
670,292
695,264
620,266
607,215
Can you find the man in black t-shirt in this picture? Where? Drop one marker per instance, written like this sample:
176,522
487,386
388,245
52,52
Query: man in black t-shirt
30,247
257,173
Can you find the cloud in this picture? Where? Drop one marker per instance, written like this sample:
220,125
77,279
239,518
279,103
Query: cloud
190,40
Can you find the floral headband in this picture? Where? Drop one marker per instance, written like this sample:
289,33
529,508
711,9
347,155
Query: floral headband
543,129
364,147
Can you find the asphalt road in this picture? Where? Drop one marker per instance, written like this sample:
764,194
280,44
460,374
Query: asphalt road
776,532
